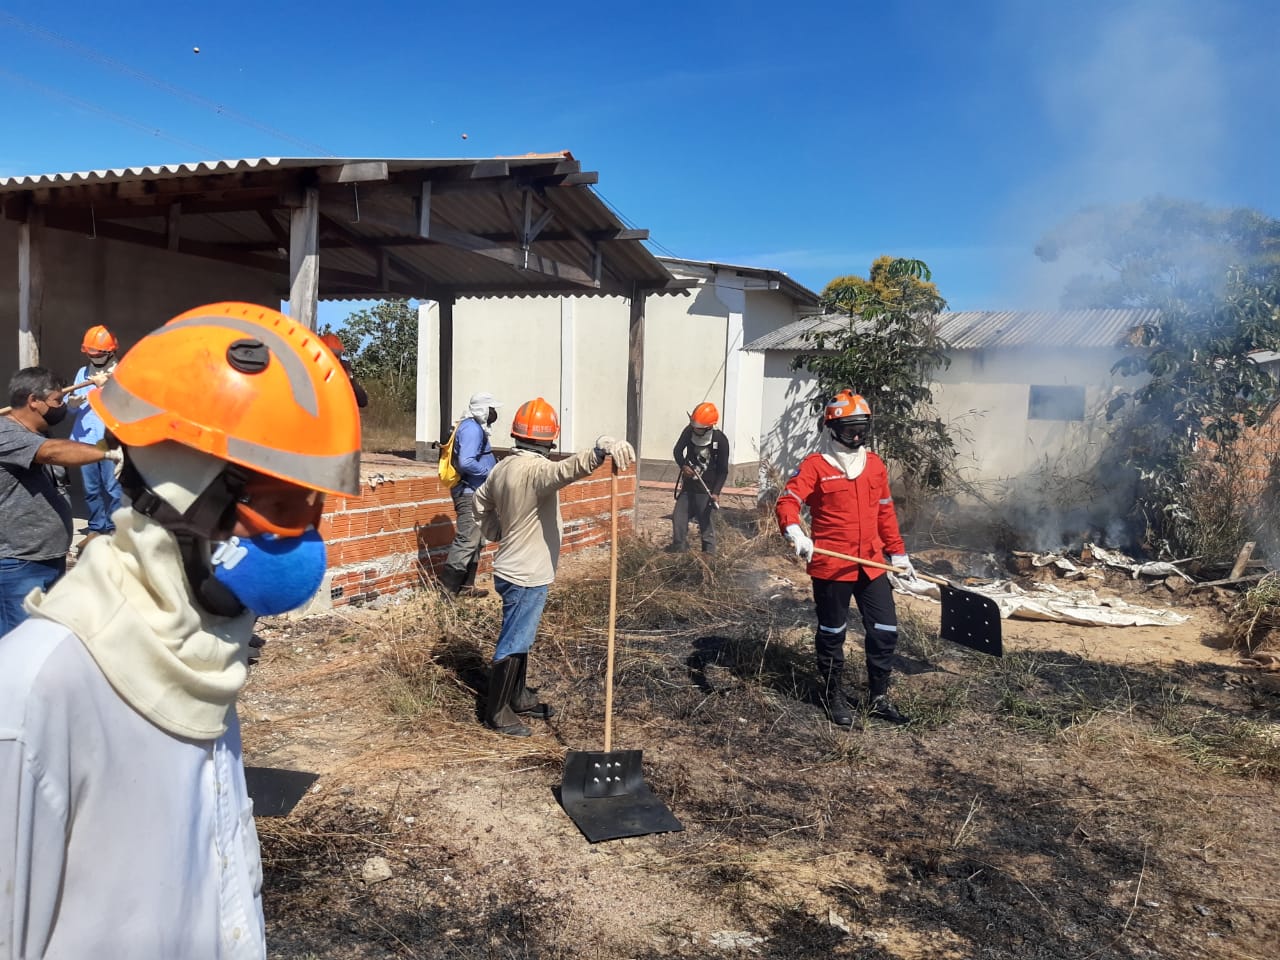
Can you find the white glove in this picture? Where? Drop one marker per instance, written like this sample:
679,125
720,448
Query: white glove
622,452
800,541
115,456
903,563
99,379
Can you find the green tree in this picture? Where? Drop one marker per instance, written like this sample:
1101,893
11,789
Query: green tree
1214,276
1203,383
887,349
382,344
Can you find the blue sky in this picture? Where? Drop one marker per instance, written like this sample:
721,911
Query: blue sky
805,137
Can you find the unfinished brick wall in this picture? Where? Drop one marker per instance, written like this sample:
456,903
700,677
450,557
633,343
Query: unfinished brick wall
395,535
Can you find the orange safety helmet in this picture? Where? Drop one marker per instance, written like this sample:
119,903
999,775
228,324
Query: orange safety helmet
245,384
846,403
331,341
705,415
536,420
98,340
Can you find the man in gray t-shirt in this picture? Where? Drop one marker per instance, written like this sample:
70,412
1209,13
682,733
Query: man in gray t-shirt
35,532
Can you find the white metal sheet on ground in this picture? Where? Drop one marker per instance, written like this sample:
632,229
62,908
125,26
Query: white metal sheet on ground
1044,601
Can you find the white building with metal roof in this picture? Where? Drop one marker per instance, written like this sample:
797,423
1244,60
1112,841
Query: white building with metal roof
1024,394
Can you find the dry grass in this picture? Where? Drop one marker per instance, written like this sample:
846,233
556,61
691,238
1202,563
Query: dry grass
1253,622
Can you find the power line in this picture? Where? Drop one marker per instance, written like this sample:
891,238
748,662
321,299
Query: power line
155,131
95,56
627,222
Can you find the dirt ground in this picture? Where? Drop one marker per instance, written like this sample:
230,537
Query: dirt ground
1096,793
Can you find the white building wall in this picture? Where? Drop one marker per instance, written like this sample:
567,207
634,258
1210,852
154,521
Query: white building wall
684,365
984,397
574,353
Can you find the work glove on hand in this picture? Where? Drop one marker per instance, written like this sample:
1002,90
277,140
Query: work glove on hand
99,379
903,563
801,542
622,452
115,456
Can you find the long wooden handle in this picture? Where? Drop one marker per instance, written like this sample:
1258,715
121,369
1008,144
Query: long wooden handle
613,602
879,566
64,391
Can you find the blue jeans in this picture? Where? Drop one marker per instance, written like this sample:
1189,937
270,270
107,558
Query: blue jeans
521,614
20,577
101,494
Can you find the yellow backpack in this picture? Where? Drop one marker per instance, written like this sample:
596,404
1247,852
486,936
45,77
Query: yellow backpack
449,474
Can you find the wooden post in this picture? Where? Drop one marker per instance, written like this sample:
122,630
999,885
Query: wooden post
30,288
1242,560
635,375
445,371
304,258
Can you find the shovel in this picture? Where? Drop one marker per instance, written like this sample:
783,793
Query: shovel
968,618
604,793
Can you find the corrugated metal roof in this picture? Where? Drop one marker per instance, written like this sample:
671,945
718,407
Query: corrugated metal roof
797,291
169,171
985,329
238,211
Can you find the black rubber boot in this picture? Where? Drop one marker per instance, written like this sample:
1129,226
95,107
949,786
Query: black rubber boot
882,708
451,580
525,700
498,714
879,705
829,649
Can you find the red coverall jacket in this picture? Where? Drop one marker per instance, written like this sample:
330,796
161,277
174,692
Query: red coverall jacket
854,517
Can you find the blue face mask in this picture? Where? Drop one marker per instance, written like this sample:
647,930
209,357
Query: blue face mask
271,574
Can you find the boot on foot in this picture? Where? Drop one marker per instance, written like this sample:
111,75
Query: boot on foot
882,708
498,714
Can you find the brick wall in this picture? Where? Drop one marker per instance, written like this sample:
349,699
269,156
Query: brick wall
394,535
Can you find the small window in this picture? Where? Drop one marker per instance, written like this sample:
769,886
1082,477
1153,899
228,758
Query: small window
1056,403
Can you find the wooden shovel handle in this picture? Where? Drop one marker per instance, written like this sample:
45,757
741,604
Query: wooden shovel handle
64,391
879,566
613,602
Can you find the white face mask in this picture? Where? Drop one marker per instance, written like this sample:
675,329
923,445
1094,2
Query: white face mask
101,361
701,439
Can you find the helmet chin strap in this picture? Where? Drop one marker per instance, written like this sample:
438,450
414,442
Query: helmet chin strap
208,518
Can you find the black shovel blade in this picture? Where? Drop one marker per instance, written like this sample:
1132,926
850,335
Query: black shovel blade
971,620
606,796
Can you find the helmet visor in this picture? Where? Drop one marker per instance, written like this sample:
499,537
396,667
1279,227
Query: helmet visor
852,431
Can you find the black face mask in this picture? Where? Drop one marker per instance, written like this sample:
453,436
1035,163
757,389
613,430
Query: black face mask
492,418
55,415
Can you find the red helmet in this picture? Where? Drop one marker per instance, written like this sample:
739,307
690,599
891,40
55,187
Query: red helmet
98,340
536,420
331,341
846,403
705,415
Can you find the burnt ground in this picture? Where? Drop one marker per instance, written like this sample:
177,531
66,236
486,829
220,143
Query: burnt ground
1097,793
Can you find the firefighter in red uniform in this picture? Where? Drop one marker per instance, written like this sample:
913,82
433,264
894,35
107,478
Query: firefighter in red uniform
846,488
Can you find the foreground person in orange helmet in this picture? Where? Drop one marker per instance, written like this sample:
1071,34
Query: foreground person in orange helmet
125,828
518,507
846,488
702,455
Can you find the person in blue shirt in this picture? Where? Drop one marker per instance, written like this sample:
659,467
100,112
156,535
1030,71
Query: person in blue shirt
101,486
473,457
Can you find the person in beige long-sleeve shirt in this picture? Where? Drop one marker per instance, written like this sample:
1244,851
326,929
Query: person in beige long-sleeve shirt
518,507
